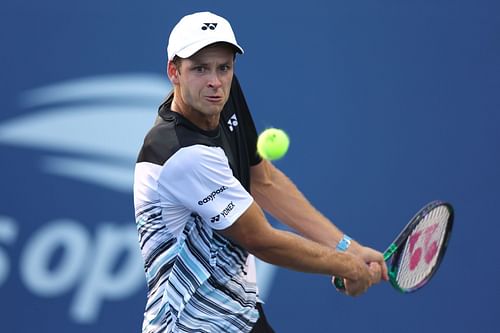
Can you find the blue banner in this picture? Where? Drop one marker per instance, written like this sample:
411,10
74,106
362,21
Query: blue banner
388,106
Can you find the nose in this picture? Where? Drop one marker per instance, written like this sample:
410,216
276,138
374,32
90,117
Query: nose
214,80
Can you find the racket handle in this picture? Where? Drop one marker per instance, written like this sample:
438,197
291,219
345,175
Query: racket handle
339,283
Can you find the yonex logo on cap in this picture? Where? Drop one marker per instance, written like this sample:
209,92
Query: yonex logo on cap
215,218
210,26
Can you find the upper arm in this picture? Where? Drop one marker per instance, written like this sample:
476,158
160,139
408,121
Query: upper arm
266,185
261,174
251,230
199,178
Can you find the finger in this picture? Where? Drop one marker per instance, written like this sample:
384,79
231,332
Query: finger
385,271
354,289
383,265
375,272
373,255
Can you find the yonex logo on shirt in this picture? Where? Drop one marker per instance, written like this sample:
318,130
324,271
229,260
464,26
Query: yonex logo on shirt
228,209
210,26
224,213
212,195
232,122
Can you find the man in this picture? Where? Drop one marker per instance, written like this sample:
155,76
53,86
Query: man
198,192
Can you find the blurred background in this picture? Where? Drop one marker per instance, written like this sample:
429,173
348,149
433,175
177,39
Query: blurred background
389,105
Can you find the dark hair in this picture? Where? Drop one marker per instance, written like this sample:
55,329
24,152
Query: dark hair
177,60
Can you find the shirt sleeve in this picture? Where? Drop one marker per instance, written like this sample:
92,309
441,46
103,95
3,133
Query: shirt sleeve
200,179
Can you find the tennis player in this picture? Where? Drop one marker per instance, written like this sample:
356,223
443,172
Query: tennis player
199,191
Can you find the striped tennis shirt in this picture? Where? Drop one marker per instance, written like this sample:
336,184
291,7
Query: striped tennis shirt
188,184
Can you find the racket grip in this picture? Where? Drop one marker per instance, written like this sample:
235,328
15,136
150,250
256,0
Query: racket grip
339,283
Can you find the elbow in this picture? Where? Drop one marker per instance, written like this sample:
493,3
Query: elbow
258,243
263,177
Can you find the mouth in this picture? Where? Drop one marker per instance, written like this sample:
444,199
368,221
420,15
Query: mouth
214,98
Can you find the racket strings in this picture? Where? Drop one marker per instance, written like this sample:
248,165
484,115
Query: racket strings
421,251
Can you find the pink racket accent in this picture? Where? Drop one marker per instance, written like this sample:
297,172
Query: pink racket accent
413,240
430,249
415,258
431,252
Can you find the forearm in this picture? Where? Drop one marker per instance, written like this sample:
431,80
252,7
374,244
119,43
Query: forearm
279,196
289,250
300,254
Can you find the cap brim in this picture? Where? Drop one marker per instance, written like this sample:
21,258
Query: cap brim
195,47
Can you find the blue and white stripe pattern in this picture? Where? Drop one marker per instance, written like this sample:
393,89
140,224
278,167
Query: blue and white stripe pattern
197,279
196,283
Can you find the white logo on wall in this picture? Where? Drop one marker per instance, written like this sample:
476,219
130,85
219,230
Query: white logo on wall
101,122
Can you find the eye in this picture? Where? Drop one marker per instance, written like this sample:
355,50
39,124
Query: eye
199,69
225,68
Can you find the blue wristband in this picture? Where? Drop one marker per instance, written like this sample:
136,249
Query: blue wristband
344,243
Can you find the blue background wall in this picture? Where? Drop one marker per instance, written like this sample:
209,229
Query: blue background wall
388,104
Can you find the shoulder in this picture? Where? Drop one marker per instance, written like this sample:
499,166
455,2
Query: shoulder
197,159
160,143
169,134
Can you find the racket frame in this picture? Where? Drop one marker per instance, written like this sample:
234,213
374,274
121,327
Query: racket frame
393,253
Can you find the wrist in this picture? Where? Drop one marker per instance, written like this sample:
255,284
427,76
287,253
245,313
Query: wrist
355,248
352,266
344,243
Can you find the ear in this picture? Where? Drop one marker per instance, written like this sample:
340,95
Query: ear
173,72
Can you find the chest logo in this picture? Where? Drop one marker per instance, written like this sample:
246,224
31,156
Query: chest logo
232,122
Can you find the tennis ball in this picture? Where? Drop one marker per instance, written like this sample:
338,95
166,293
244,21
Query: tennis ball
272,144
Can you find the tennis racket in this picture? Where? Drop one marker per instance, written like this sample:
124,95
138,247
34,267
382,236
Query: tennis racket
414,257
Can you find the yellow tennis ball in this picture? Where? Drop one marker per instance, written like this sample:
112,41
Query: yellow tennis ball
272,144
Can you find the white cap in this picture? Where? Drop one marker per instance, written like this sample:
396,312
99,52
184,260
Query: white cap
195,31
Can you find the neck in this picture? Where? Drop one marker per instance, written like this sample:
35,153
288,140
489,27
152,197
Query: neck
203,121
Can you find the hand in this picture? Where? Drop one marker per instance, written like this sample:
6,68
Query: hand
375,265
359,286
366,274
371,256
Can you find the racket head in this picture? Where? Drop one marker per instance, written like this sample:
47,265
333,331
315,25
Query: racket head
415,255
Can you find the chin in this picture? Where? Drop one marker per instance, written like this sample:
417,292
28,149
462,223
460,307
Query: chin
214,109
